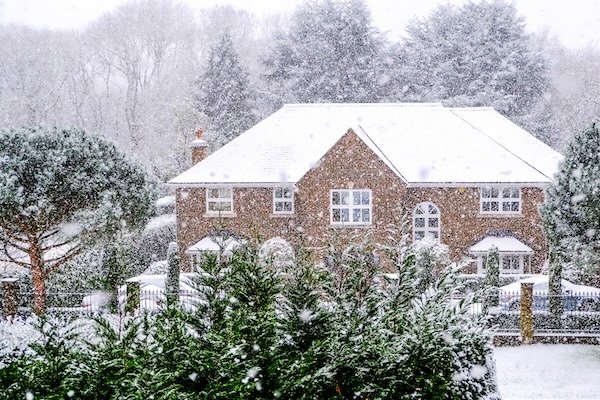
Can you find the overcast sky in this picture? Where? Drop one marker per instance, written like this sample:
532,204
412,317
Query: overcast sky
576,22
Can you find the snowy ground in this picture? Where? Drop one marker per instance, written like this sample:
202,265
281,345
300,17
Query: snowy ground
549,372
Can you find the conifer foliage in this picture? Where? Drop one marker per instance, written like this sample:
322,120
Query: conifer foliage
334,330
224,94
330,54
61,190
571,213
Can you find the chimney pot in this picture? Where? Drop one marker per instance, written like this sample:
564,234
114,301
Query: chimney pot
199,147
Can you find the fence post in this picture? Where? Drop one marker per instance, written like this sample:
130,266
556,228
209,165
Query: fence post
526,313
9,297
133,297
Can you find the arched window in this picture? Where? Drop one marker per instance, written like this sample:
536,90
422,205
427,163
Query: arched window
426,221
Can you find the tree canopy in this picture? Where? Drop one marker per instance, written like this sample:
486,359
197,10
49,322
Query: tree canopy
571,209
330,54
474,55
61,190
224,94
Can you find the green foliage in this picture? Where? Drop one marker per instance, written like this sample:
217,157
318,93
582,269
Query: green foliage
492,279
337,330
571,215
172,284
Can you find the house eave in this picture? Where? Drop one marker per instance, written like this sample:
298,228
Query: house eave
182,185
541,185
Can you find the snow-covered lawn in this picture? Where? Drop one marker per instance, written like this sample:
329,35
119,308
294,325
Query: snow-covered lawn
548,372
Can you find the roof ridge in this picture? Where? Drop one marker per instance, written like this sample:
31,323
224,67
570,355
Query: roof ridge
370,105
500,144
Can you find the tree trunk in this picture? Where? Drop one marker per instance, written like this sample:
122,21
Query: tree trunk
39,278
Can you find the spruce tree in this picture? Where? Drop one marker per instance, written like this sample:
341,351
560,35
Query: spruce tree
224,94
571,214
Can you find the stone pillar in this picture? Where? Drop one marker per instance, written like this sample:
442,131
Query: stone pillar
133,297
10,298
526,313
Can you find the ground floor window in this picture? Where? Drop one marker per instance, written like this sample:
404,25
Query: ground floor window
509,263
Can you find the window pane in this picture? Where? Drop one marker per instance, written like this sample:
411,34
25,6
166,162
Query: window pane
419,222
494,205
514,206
278,193
287,193
366,215
356,215
432,209
505,206
420,210
366,198
213,193
495,192
335,198
432,222
486,193
356,198
287,206
278,206
419,235
345,215
225,193
345,198
336,215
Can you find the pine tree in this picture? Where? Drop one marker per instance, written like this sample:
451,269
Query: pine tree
571,214
61,190
224,94
473,55
330,54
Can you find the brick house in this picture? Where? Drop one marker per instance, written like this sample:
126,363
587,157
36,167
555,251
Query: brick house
467,177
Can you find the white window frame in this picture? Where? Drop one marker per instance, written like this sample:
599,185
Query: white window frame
224,197
280,199
500,200
428,212
349,208
524,263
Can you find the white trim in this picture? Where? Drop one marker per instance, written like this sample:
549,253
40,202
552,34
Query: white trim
430,212
350,207
283,200
219,199
501,200
230,184
477,185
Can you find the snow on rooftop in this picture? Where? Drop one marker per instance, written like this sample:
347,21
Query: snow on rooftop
423,143
506,244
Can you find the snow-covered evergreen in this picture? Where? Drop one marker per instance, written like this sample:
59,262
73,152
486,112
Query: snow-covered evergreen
224,94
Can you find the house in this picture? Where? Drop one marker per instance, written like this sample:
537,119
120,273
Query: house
467,177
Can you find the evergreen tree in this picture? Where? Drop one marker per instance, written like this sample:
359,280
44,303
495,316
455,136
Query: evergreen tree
474,55
330,54
492,279
571,213
223,92
172,284
61,190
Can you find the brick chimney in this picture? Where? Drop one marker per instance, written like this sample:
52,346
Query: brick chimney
199,147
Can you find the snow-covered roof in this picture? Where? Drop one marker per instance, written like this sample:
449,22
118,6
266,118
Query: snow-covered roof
214,243
423,143
505,244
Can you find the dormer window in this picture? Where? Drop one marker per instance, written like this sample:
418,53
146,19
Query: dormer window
283,200
500,200
219,200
